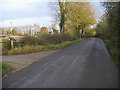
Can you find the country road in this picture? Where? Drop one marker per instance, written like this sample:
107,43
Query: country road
82,65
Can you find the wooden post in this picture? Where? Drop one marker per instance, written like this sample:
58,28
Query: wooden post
80,34
11,44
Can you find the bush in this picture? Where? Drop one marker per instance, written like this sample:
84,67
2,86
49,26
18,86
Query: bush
31,49
45,39
74,34
114,50
17,44
51,39
6,46
25,49
65,37
29,40
4,67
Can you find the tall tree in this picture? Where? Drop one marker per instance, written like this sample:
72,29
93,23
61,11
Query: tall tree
63,12
8,31
74,15
112,14
2,31
43,31
59,12
80,15
109,27
54,28
14,31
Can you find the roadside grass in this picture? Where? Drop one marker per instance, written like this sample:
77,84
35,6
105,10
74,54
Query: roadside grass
114,50
32,49
4,68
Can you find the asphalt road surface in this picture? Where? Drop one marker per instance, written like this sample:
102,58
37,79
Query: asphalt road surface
82,65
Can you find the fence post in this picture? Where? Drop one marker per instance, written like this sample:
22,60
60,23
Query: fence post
11,44
19,44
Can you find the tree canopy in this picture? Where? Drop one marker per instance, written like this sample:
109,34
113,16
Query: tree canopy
74,15
43,31
80,15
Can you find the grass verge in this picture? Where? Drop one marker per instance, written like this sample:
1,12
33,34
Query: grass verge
32,49
114,50
4,68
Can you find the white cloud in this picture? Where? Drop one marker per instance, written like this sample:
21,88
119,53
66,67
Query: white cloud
26,21
17,3
98,9
23,12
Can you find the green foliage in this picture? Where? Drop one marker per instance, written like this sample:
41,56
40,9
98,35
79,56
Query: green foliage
74,34
80,15
45,39
31,49
29,40
62,6
14,31
89,33
6,46
4,68
54,28
114,50
43,31
65,37
74,16
112,16
49,39
2,31
8,31
53,39
18,44
55,31
108,27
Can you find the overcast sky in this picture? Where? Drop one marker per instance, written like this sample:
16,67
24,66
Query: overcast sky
29,12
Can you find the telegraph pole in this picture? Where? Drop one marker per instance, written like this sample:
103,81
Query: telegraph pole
12,40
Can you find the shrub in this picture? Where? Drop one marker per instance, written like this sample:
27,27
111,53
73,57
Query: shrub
46,39
74,34
49,39
66,37
43,31
4,67
6,46
113,48
17,44
53,39
25,49
29,40
31,49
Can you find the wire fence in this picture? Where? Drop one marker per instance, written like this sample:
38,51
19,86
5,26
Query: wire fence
8,45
